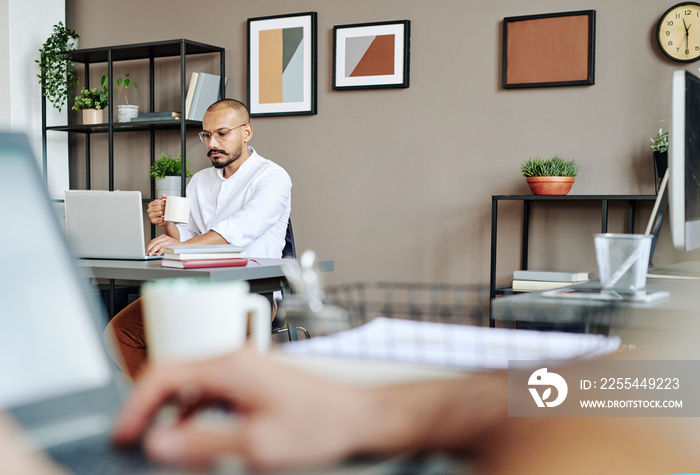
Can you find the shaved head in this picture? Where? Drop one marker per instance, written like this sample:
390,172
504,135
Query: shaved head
237,106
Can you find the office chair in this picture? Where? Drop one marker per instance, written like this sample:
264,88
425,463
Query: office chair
279,325
289,248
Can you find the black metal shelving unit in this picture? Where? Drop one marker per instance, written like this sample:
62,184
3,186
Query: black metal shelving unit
632,201
139,51
142,51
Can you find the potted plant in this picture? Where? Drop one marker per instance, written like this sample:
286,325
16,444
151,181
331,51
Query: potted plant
92,102
126,112
659,145
551,176
166,171
56,73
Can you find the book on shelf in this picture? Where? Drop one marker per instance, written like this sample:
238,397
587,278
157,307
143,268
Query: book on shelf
156,116
202,263
551,276
210,248
535,285
206,91
190,94
203,256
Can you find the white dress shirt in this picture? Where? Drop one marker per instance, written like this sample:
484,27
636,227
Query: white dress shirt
249,209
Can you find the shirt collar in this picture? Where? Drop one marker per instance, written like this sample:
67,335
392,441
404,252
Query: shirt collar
247,164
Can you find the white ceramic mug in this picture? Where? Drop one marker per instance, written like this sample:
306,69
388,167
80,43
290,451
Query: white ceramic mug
191,319
177,209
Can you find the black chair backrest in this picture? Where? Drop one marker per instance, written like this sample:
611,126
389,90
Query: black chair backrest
289,249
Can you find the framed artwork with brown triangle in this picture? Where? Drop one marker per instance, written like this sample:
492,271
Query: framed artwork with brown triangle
371,55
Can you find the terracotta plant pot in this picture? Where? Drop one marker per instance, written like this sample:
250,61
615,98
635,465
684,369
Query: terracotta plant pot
550,185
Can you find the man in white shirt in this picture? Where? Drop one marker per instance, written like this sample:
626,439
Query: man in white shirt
244,199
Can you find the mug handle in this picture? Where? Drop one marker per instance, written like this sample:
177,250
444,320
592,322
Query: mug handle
261,316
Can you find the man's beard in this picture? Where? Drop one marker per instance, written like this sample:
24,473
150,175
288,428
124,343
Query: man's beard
231,158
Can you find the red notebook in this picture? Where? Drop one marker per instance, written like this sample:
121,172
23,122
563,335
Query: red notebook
199,263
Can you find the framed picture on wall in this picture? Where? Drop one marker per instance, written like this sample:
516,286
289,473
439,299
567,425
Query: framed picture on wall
555,49
371,55
282,65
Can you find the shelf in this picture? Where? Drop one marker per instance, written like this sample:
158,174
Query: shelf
573,197
144,52
157,49
127,126
505,291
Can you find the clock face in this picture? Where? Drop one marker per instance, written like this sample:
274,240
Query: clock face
678,32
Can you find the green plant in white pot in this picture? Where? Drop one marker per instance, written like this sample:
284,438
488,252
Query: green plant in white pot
166,171
92,103
126,111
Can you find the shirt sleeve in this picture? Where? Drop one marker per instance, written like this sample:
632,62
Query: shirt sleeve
270,203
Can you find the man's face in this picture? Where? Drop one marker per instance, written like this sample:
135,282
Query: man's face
226,142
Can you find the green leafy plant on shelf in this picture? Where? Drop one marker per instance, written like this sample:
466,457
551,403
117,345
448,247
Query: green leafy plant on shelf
166,165
92,98
56,73
557,165
660,142
123,84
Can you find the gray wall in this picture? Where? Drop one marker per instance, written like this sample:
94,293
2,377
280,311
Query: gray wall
396,184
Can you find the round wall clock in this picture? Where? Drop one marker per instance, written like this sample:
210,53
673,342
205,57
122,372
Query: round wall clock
678,32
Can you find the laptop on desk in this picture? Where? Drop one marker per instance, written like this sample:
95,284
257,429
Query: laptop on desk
106,224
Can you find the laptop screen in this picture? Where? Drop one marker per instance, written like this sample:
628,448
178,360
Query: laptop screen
49,345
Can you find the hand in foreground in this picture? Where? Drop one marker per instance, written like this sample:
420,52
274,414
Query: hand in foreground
155,247
285,418
17,453
156,210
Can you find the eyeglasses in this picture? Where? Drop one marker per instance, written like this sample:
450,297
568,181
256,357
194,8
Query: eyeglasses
220,134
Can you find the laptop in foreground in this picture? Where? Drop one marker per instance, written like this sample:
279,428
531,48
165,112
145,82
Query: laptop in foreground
57,379
106,224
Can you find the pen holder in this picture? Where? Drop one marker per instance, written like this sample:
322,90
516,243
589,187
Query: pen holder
623,260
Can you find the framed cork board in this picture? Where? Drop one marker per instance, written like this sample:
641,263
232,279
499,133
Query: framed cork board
554,49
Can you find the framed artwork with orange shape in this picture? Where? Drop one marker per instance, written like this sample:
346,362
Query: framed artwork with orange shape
282,65
371,55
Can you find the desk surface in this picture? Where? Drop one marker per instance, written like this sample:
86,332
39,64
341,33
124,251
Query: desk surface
151,270
682,306
264,275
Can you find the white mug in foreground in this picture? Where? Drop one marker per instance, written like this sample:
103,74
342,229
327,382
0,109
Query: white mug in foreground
623,260
190,319
177,209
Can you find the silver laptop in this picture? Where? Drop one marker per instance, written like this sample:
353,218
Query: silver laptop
106,224
57,379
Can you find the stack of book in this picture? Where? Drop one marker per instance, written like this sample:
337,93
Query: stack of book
533,280
156,116
193,257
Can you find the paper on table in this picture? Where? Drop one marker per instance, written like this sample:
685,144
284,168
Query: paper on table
458,346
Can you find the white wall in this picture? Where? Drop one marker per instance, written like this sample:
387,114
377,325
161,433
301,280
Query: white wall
25,25
4,61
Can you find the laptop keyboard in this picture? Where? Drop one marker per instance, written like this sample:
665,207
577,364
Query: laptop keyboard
96,455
